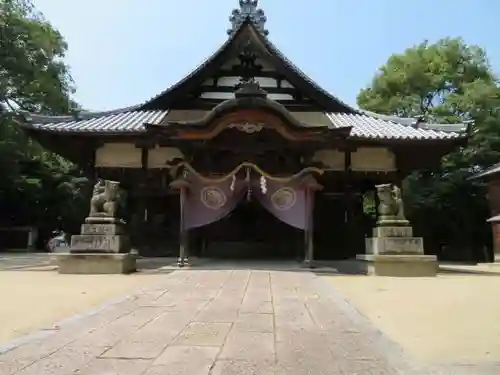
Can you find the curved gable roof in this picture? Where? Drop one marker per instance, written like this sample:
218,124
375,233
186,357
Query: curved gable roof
290,71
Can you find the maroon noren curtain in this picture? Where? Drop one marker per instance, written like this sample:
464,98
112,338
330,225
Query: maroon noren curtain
208,203
286,201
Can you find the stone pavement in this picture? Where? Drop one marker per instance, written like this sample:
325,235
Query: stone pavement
221,322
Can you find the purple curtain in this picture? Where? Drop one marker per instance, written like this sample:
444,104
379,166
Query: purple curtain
207,203
286,201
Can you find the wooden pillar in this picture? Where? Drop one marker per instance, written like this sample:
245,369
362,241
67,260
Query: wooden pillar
348,217
493,197
183,238
349,206
311,186
32,238
358,224
309,231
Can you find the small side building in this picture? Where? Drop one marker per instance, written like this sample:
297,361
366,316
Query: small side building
491,177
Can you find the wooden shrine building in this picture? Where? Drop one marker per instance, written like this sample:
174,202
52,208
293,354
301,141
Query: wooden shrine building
248,124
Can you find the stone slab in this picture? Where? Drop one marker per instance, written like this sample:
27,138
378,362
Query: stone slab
106,243
247,367
250,346
204,334
95,264
103,219
254,323
188,354
394,245
400,265
115,367
392,221
102,229
397,231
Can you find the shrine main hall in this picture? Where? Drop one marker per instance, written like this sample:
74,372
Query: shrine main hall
247,157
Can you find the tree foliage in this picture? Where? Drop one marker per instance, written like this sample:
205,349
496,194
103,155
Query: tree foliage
36,186
447,82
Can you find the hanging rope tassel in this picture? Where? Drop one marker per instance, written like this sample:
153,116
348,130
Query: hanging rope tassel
249,186
263,184
233,183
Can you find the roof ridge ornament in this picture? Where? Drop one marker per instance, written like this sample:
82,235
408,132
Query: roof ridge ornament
249,88
248,10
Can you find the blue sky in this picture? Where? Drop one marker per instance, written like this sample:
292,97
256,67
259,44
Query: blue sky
124,52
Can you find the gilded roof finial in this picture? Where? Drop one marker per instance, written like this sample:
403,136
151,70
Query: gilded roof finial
248,10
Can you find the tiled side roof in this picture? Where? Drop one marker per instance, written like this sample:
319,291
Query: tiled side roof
125,121
369,127
132,121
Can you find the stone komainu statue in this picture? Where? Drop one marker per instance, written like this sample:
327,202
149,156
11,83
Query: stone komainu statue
390,202
104,201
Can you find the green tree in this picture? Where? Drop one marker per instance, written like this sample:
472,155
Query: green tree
446,82
36,186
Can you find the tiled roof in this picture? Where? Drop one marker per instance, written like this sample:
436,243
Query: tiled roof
369,127
129,120
120,121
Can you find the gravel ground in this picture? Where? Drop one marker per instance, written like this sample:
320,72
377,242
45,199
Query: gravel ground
37,300
450,318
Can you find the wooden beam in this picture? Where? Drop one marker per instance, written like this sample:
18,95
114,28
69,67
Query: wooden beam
238,72
208,104
268,90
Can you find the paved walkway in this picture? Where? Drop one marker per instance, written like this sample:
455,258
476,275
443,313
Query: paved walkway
221,322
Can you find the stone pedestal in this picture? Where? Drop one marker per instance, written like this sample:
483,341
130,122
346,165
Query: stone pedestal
393,251
96,264
103,247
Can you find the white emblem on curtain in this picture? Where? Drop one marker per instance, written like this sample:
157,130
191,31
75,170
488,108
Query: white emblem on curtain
213,197
284,198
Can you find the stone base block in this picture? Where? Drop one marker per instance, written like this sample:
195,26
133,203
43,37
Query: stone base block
398,231
400,265
103,229
96,243
394,245
96,264
308,264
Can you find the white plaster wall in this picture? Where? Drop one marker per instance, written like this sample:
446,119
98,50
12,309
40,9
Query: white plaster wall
333,160
159,156
373,159
121,155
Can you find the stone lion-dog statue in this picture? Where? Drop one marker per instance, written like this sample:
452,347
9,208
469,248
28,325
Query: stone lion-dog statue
391,205
104,201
